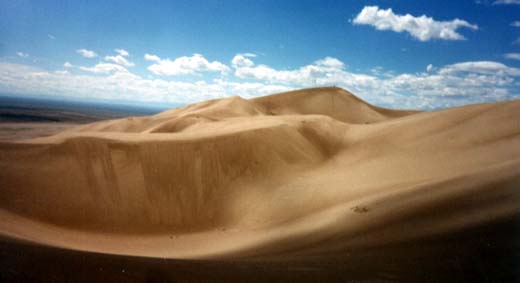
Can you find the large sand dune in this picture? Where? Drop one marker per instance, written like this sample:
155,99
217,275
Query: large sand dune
311,175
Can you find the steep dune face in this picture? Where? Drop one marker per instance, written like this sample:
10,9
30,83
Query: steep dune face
336,103
308,172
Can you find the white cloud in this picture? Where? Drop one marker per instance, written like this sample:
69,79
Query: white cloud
429,68
455,84
21,54
379,71
187,65
457,80
151,57
67,65
480,67
121,85
122,52
105,68
306,75
50,36
506,2
330,62
512,56
241,60
250,89
119,59
423,28
87,53
515,24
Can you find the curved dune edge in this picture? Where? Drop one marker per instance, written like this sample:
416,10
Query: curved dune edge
309,173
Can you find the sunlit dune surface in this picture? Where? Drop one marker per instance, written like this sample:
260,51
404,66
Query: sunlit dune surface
314,174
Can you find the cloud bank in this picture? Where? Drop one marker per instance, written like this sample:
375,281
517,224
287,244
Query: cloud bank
422,28
185,65
87,53
455,84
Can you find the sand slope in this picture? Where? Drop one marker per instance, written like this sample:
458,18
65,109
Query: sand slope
304,174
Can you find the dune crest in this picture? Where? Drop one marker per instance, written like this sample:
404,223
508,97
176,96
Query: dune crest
307,172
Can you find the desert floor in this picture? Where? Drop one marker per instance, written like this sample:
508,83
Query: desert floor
310,185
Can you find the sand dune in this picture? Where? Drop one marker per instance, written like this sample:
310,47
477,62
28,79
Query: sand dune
307,174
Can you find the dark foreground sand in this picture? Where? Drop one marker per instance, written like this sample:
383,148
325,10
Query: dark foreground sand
488,254
311,185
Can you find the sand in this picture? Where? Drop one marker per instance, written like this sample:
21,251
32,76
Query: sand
16,131
314,175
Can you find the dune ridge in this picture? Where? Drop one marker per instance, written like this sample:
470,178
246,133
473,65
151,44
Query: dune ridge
305,174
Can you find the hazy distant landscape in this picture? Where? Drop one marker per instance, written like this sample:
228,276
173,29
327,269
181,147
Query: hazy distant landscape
23,118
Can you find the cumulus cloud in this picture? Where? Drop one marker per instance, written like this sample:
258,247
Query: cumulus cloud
506,2
185,65
21,54
443,86
122,52
242,60
423,28
119,59
429,68
455,84
307,75
151,57
512,56
105,68
330,62
87,53
121,84
67,65
457,81
480,67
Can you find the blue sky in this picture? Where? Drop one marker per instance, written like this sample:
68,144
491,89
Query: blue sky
401,54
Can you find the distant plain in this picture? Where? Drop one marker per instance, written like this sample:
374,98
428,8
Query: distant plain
24,117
